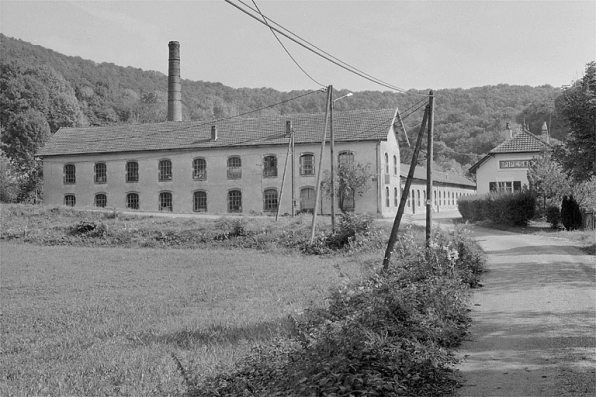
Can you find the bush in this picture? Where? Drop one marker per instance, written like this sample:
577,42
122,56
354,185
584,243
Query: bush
571,216
553,216
515,209
387,335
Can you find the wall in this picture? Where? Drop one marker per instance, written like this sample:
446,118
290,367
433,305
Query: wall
490,171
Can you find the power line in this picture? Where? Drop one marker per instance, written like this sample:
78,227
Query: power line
300,41
284,47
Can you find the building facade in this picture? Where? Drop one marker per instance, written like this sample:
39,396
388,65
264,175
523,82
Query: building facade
505,168
237,165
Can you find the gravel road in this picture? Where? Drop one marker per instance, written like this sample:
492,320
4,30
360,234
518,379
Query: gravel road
534,321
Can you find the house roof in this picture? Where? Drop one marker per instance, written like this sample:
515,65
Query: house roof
360,125
522,142
438,177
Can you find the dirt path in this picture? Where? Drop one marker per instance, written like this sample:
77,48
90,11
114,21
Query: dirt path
534,321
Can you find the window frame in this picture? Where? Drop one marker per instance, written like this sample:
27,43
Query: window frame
197,173
395,167
234,171
197,201
395,200
270,204
100,173
166,196
387,163
270,166
68,198
129,197
387,197
304,167
132,173
96,199
345,157
238,201
69,174
165,172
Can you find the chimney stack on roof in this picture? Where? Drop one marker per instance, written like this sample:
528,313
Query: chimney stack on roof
174,91
214,133
288,127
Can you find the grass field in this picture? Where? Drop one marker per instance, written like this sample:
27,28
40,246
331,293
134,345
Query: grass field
113,321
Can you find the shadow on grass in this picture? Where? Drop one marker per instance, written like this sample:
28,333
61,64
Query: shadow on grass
216,334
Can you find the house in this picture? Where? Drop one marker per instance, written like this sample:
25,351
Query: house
505,168
234,165
447,188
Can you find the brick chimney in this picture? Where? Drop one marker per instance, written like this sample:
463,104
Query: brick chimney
174,91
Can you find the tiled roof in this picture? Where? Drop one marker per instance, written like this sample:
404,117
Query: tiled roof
361,125
523,141
438,177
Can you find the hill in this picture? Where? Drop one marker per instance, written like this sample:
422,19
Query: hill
468,122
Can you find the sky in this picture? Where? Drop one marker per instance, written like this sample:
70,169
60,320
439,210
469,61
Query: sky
408,44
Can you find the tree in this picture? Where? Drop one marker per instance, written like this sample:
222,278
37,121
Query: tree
547,180
578,106
351,179
8,180
571,216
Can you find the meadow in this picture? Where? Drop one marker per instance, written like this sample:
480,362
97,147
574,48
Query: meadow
120,321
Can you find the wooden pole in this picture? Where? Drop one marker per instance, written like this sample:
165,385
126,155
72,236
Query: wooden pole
293,174
283,179
318,182
404,196
429,167
332,147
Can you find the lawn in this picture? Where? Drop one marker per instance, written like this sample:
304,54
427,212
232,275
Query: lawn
124,321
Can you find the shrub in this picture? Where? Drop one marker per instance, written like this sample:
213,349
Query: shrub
571,216
515,209
553,216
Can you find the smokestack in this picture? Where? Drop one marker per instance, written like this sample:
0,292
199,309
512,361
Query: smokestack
288,127
174,92
213,133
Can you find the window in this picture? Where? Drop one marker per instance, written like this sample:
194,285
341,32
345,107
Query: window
418,200
395,203
101,200
70,172
387,200
101,175
505,187
234,168
70,200
386,163
270,166
199,169
270,200
234,201
345,157
307,164
199,201
132,171
165,170
307,199
409,204
435,197
395,168
132,201
165,201
517,186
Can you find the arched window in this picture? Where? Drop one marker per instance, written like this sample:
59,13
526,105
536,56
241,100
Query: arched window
345,157
234,167
132,171
165,170
386,163
395,167
199,201
70,174
409,204
270,166
307,164
270,203
199,169
165,201
418,198
132,201
101,200
387,200
101,173
70,200
234,201
395,203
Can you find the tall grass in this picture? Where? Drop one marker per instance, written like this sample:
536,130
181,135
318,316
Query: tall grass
104,321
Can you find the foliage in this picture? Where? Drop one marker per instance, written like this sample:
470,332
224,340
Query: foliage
585,194
553,216
387,335
9,185
515,209
571,216
578,106
547,180
351,179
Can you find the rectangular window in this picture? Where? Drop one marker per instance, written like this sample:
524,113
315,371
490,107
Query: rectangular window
101,200
505,187
234,168
165,201
517,186
270,166
132,201
492,186
70,200
69,174
234,201
199,169
307,164
101,175
200,201
346,157
132,171
270,200
165,170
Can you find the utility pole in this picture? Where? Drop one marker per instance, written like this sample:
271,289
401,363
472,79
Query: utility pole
332,147
318,182
404,196
429,166
293,173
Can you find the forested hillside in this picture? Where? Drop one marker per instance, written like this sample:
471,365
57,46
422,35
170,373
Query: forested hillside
42,90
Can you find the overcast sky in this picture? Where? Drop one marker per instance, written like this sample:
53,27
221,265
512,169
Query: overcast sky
409,44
